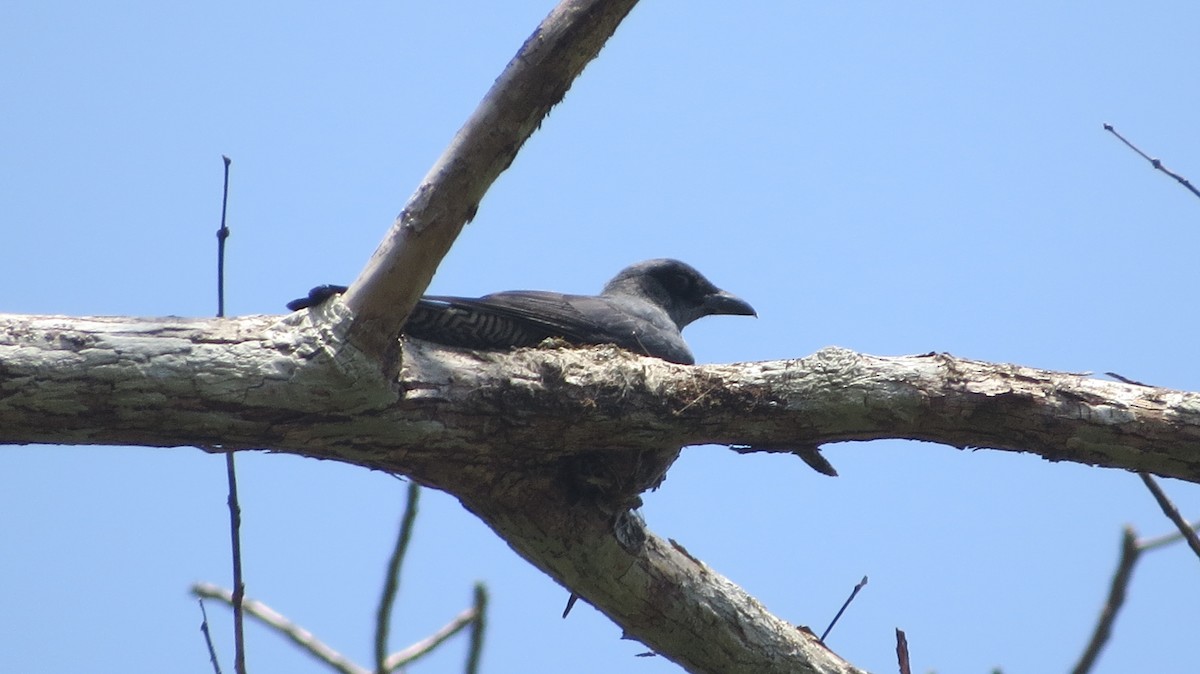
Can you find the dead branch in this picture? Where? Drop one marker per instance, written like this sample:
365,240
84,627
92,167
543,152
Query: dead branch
298,635
506,432
533,82
262,382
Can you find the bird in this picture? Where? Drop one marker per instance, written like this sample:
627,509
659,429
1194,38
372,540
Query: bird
643,309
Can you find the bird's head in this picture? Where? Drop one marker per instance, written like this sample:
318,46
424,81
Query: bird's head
679,289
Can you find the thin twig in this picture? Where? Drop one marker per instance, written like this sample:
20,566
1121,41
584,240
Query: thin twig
1172,513
391,583
212,651
1116,597
298,635
1153,161
475,653
853,593
902,652
222,234
239,587
463,620
1147,544
235,511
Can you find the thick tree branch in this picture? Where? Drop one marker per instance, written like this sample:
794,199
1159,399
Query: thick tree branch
533,82
287,385
550,446
652,588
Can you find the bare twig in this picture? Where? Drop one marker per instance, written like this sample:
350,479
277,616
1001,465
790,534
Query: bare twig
212,651
463,620
475,653
391,583
235,511
298,635
853,593
1153,161
239,587
1148,544
902,652
222,234
472,617
1172,513
1130,552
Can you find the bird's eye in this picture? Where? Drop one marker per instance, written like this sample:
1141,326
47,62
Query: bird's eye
680,283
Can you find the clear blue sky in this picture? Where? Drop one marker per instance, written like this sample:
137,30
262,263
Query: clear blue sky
894,178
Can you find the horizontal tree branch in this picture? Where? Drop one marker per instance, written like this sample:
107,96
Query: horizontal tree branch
292,384
550,446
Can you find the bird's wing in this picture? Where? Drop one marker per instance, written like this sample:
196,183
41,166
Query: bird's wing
526,317
517,318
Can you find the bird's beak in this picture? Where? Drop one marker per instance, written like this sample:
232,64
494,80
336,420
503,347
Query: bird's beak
722,302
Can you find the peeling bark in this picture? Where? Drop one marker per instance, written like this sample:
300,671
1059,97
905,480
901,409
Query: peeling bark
293,384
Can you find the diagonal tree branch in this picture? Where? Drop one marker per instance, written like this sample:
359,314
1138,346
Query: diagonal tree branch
391,581
533,82
466,618
653,588
1172,513
1130,553
1154,161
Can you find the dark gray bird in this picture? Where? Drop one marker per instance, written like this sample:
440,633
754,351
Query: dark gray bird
642,309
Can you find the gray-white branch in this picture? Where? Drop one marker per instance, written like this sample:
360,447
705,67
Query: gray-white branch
511,434
292,384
